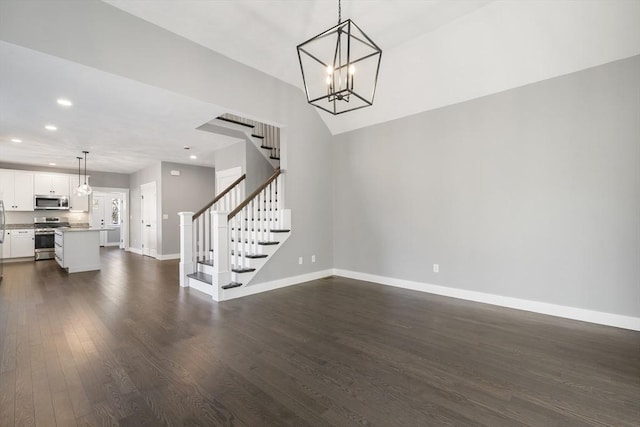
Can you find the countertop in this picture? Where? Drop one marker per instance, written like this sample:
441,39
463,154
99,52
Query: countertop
81,229
18,226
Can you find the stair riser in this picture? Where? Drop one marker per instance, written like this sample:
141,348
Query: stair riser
259,249
257,263
200,286
259,236
205,268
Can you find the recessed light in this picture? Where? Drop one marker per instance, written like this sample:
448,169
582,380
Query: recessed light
52,164
64,102
192,157
16,140
50,127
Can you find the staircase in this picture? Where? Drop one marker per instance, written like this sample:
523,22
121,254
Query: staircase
263,136
226,243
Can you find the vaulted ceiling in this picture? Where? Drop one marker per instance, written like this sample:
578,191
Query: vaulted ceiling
435,53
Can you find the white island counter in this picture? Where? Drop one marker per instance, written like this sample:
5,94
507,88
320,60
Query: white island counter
78,249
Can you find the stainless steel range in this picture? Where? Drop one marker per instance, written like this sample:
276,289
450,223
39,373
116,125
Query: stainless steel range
45,228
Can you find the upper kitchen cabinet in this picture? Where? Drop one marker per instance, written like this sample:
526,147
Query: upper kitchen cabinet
51,183
16,190
77,203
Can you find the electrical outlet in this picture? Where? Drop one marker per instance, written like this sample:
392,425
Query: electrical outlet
300,260
436,268
313,258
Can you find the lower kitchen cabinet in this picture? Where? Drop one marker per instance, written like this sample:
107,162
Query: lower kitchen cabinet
6,246
78,249
22,243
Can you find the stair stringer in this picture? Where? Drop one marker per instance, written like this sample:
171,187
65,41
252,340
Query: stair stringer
258,263
239,131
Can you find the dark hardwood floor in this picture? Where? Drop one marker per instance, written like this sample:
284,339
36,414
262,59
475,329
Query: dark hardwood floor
126,346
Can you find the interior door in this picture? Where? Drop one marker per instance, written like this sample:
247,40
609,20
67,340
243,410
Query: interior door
149,219
98,216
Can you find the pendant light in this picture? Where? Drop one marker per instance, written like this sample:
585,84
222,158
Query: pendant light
85,189
340,68
78,190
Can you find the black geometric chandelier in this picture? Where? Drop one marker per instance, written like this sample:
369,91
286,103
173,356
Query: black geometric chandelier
340,68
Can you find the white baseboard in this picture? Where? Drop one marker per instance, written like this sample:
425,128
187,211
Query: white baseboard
112,244
168,256
275,284
608,319
135,251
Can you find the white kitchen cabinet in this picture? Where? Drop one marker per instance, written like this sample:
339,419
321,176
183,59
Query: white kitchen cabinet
78,249
16,190
6,246
51,183
77,203
22,243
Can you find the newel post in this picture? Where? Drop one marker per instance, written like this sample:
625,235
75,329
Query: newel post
221,273
187,266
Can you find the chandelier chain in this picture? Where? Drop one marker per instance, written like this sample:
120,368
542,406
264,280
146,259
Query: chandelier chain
339,12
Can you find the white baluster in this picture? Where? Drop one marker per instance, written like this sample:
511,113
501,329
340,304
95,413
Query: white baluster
200,237
279,199
187,263
256,224
243,236
272,196
236,241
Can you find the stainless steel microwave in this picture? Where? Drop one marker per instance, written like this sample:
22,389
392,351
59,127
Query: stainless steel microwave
50,202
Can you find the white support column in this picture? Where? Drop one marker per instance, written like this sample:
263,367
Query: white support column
221,273
187,264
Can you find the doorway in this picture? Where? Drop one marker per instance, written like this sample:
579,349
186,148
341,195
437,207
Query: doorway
149,215
109,207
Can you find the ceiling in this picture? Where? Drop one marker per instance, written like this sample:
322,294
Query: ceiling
125,125
435,53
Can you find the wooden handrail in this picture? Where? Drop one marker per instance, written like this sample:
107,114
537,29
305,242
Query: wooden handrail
218,197
254,194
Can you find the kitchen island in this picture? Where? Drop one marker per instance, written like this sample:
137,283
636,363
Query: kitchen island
78,249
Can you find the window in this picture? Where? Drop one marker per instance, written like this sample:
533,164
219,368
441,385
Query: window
116,209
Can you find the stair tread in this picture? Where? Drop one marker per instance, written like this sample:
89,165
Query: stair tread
232,285
208,262
203,277
235,122
257,136
279,230
266,147
251,256
264,242
243,270
274,158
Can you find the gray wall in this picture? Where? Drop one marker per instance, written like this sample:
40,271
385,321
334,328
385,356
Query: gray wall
190,191
532,193
145,176
136,49
257,166
246,156
231,157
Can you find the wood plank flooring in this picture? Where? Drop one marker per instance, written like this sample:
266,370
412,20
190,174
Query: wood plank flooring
126,346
